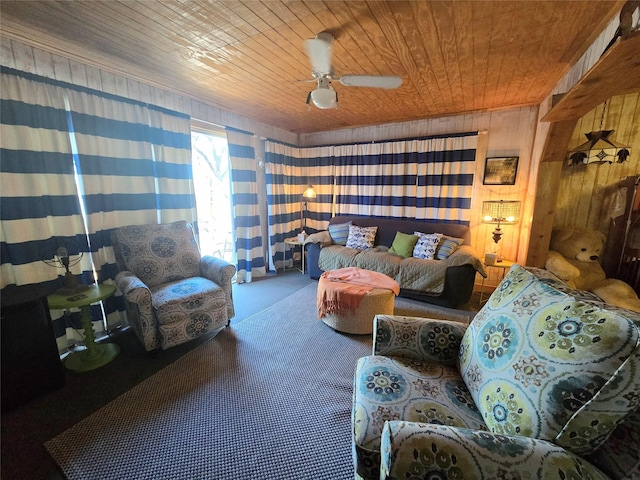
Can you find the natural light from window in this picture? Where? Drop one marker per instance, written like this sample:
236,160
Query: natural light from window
210,157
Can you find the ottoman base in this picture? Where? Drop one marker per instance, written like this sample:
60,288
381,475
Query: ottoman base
377,301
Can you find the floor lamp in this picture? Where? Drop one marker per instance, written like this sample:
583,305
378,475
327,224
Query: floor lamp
308,193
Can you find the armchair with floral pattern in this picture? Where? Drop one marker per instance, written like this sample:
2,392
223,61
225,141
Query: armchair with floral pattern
172,294
543,383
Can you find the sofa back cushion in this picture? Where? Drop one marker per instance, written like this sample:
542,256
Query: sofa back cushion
388,227
544,361
159,253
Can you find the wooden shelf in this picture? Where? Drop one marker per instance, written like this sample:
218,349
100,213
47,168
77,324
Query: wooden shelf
615,73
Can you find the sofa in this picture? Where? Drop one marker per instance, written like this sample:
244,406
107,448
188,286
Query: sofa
448,282
543,383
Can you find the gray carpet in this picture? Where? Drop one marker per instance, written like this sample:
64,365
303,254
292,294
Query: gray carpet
267,398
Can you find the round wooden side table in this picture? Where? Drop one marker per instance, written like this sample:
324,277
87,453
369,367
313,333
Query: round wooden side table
502,265
96,354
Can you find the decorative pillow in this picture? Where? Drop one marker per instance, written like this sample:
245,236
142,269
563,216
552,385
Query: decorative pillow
339,233
447,246
426,245
361,238
544,361
403,244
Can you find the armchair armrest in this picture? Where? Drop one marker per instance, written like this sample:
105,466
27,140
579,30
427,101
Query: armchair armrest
217,270
414,450
137,298
134,290
220,272
418,338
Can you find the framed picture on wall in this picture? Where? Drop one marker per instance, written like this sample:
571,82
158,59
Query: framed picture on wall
500,171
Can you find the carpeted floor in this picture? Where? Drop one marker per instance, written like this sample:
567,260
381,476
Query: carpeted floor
268,398
257,392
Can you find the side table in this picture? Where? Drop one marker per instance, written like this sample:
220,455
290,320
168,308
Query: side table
503,265
294,242
96,354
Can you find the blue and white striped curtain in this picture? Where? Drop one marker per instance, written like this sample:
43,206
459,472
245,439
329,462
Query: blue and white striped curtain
445,178
244,198
134,166
425,179
285,184
77,163
39,195
320,173
288,172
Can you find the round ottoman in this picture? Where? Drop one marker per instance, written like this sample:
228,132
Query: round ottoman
377,301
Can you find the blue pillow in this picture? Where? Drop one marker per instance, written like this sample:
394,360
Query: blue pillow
339,233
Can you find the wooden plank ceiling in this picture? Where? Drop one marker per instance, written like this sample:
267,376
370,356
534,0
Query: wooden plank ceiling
248,56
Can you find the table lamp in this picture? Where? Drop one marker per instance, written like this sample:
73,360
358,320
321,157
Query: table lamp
500,212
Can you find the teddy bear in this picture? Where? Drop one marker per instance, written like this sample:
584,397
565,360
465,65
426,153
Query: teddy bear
573,257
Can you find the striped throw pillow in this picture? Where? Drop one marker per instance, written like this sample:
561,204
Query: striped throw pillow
447,246
339,233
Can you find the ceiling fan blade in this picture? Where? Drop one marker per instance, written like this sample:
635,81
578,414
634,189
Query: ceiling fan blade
319,51
373,81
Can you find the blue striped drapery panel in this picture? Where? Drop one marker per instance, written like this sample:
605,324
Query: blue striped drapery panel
77,163
289,170
134,165
427,179
39,195
246,211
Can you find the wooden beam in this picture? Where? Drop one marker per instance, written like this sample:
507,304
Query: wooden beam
615,73
548,184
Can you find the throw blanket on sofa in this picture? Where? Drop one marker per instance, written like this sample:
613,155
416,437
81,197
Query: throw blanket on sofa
411,273
355,283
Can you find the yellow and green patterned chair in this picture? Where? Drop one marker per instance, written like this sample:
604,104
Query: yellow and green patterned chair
544,383
172,294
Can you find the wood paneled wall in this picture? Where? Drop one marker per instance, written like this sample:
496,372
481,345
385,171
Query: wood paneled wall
586,191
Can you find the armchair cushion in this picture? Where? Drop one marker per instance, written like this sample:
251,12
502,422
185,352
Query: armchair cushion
415,450
160,253
543,361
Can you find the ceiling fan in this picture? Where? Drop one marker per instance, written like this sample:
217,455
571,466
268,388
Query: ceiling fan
324,96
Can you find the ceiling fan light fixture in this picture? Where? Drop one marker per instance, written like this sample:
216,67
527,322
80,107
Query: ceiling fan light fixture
324,98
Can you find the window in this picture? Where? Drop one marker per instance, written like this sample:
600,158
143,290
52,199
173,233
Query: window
210,157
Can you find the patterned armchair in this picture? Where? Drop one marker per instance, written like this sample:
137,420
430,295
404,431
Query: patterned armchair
172,295
544,383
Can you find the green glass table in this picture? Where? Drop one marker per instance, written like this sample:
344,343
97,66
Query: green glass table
96,354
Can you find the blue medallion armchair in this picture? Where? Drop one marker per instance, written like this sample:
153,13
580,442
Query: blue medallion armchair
544,383
171,293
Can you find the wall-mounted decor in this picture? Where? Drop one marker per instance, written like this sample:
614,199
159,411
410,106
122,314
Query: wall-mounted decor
500,171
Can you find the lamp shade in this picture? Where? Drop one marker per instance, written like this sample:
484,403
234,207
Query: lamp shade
505,212
309,192
598,148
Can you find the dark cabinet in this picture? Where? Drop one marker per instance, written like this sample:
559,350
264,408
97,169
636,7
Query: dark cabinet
621,257
30,365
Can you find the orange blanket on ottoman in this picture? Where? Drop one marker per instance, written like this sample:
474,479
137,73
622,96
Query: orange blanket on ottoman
341,291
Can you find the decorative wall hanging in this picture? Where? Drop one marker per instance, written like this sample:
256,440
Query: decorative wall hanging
500,171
